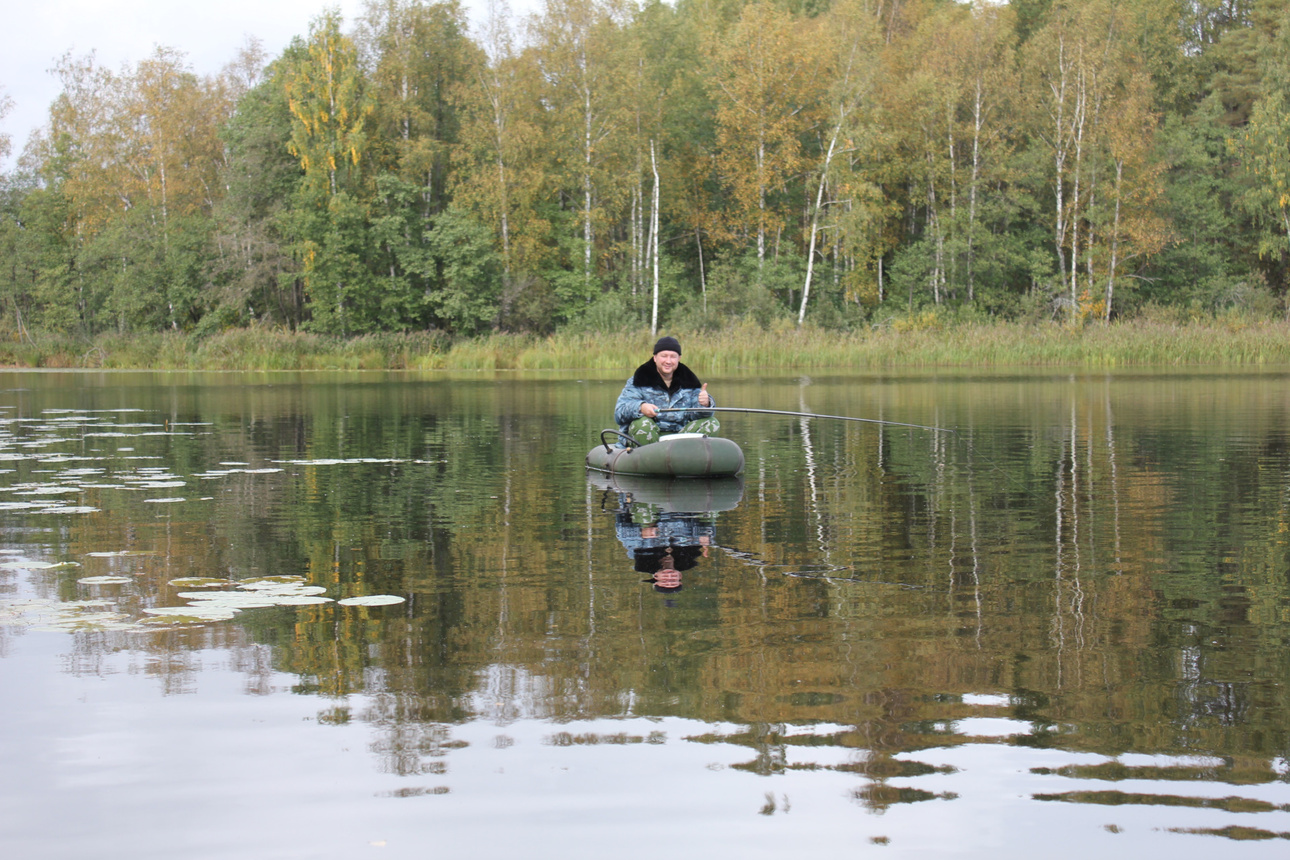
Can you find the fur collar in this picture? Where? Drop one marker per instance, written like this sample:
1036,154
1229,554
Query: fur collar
647,376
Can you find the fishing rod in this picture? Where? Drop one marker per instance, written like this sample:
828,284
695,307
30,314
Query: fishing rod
992,463
970,446
807,415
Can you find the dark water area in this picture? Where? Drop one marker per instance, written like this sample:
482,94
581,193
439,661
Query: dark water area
344,615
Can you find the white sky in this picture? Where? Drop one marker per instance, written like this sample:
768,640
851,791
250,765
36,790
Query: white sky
123,32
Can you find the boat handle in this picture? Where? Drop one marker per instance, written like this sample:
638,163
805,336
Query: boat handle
628,441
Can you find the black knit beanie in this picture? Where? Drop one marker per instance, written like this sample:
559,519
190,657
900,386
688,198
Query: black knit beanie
667,342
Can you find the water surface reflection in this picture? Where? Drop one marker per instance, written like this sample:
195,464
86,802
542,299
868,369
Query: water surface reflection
1066,618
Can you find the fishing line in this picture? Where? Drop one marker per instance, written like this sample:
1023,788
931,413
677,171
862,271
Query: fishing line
968,445
783,570
808,415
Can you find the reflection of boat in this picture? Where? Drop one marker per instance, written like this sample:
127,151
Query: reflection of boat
666,524
674,495
680,455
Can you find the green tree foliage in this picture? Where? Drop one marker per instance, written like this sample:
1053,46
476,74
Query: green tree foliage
584,69
129,167
1237,35
767,97
465,268
500,174
405,172
1208,262
257,277
1263,148
327,225
418,57
416,54
329,106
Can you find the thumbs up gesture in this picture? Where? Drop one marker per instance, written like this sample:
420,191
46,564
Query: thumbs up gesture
704,399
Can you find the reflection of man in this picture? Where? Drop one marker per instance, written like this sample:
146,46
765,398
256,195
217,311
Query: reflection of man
664,564
663,544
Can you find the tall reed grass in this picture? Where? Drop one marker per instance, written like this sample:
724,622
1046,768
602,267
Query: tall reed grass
1140,343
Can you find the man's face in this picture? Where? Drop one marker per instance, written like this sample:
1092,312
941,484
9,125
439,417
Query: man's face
666,362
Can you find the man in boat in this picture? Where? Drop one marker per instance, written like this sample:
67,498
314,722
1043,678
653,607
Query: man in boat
664,382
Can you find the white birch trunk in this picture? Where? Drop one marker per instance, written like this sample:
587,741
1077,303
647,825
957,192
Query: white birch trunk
586,184
761,204
653,250
815,219
1115,241
977,123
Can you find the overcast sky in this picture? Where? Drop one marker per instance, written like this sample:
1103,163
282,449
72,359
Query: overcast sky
38,32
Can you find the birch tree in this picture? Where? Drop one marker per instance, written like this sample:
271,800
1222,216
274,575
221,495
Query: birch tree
575,47
1095,119
763,85
329,107
989,84
330,110
852,37
135,154
502,175
1133,229
416,54
1069,78
171,122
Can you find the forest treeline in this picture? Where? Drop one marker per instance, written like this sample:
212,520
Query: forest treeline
609,165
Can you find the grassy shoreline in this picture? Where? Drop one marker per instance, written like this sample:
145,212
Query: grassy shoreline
1135,343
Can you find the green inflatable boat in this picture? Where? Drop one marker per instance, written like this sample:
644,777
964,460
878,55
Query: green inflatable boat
679,455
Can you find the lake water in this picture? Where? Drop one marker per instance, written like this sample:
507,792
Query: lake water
1057,627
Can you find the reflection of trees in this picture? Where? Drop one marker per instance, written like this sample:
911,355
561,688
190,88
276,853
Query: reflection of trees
1104,561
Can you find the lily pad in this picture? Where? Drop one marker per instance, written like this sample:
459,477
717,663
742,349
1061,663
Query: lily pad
105,580
234,599
372,600
286,589
36,565
200,582
86,623
196,613
272,581
170,621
